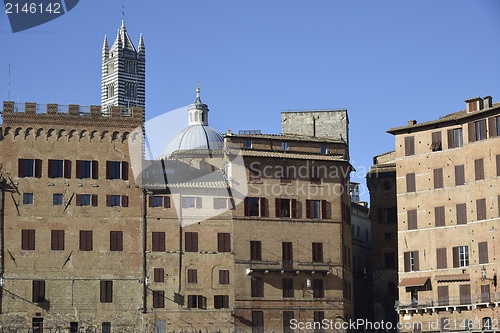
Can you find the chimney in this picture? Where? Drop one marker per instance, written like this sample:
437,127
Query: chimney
474,104
488,102
412,122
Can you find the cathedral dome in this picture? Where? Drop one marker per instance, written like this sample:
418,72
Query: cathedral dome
198,135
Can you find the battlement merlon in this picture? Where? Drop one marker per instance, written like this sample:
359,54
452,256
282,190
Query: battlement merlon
16,112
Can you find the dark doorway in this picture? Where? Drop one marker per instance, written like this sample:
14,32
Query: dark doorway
73,327
37,325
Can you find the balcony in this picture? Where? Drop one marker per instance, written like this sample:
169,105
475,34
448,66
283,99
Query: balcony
282,266
465,302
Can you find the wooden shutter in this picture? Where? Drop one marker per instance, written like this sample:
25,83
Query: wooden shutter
485,293
255,250
198,202
108,169
112,240
192,276
257,287
465,294
439,217
436,141
202,302
78,169
441,258
108,200
461,213
459,175
287,287
294,208
407,261
159,275
94,200
166,201
223,242
492,127
456,262
223,277
125,170
498,164
277,203
443,296
483,252
151,201
318,291
471,132
412,219
67,169
324,209
483,129
479,169
308,209
481,209
410,182
263,207
124,200
451,139
409,146
50,171
38,168
28,239
246,203
95,169
20,167
438,178
317,252
416,266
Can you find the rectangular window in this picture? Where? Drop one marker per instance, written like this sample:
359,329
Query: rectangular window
284,146
221,301
157,201
315,176
322,149
287,286
436,144
286,207
247,144
57,240
387,215
113,200
464,294
158,241
481,209
438,178
197,301
192,202
191,244
257,321
86,199
27,239
287,254
439,217
116,240
59,169
314,209
485,293
390,261
255,206
28,199
159,275
441,258
192,276
254,173
410,182
106,291
409,146
318,291
223,242
317,252
319,316
223,276
29,168
412,219
483,252
158,299
411,261
87,169
461,256
479,169
106,327
57,199
461,213
477,130
459,175
455,138
116,170
257,286
288,316
38,292
220,203
86,241
443,295
256,250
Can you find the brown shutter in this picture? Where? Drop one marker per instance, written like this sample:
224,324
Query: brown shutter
112,241
119,240
277,202
125,170
479,169
436,141
198,202
412,219
451,139
410,182
483,129
159,275
94,200
416,265
481,209
20,167
151,201
439,217
485,293
166,201
108,200
409,146
246,206
50,171
263,207
492,124
483,252
456,262
124,200
108,169
459,175
465,294
38,168
438,178
89,240
324,210
471,132
95,169
78,169
393,215
441,258
78,199
407,261
294,208
499,206
443,296
308,209
498,164
67,169
461,213
188,242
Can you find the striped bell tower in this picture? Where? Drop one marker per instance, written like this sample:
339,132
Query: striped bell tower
123,73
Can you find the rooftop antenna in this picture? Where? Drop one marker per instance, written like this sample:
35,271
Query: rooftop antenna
123,13
8,93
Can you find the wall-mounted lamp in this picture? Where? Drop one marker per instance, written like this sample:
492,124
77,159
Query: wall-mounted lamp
2,282
146,281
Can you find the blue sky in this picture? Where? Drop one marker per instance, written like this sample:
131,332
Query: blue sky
385,61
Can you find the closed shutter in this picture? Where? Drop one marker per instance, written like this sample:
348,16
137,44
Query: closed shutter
255,250
94,199
459,175
263,207
108,169
451,139
166,201
159,275
479,169
287,287
483,252
277,203
407,261
471,132
416,264
409,146
38,168
412,219
439,216
294,209
481,209
485,293
151,201
438,178
492,127
317,252
223,242
108,200
456,262
192,276
198,202
441,258
483,129
461,213
67,169
78,199
125,170
410,182
443,295
223,277
95,169
498,165
465,294
499,205
50,171
124,200
20,167
308,209
318,291
257,287
287,321
436,141
324,209
380,215
257,322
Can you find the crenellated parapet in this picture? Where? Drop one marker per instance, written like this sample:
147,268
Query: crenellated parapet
71,117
